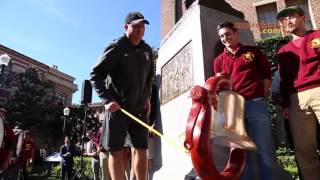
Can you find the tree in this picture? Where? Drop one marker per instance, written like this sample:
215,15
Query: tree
75,122
34,104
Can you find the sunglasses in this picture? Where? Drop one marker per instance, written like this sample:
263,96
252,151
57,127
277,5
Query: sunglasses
286,19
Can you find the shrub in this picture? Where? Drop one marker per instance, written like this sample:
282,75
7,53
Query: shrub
56,171
270,46
286,158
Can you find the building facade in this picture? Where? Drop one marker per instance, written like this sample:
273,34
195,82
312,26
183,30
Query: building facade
63,83
260,14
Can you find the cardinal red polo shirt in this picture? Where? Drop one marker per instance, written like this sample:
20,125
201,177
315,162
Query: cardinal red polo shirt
248,67
28,149
8,143
299,65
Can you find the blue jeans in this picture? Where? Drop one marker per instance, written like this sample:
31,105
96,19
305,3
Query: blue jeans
258,128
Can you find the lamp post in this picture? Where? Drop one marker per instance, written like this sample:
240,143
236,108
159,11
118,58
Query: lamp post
4,62
66,112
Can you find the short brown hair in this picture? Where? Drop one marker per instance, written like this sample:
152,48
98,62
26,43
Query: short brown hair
226,24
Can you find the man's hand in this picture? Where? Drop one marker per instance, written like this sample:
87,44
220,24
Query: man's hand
112,106
266,87
151,133
67,154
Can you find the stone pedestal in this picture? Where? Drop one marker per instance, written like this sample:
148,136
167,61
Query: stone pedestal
185,59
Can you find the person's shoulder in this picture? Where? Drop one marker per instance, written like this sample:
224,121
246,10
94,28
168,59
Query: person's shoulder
120,41
115,43
312,32
313,37
146,45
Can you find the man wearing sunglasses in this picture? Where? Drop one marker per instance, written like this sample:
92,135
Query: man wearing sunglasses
299,67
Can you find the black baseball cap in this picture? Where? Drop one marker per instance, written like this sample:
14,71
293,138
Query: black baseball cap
290,10
135,18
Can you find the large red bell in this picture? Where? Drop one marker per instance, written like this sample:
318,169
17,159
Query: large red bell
198,133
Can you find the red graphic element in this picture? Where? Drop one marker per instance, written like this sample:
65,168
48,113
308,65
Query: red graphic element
198,133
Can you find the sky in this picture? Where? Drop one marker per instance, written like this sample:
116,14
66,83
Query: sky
71,34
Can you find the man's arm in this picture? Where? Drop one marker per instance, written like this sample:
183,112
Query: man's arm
149,81
63,153
264,68
287,79
100,76
266,86
216,66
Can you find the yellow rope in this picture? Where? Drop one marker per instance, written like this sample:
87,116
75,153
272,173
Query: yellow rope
181,148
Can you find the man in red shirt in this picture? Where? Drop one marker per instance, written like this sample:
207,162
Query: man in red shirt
8,144
299,67
28,152
251,76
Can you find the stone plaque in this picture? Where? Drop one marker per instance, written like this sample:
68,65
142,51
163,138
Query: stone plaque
177,74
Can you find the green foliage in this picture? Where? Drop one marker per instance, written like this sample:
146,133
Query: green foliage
86,166
286,158
56,170
34,104
75,122
270,46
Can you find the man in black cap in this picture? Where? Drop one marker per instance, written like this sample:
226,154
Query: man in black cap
123,78
299,67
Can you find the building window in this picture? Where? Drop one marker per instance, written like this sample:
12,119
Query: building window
267,21
304,6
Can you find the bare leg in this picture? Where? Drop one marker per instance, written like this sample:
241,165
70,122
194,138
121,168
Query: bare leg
132,175
150,170
126,162
140,163
116,165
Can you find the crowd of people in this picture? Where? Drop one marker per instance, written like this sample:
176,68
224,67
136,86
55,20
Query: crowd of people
17,152
123,78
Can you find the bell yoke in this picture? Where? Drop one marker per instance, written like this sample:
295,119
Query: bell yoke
216,96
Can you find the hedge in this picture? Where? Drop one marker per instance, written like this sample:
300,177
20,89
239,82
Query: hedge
56,171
